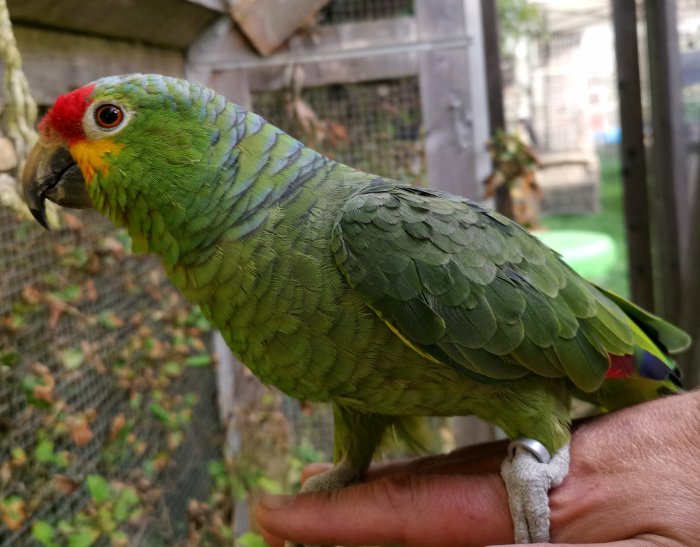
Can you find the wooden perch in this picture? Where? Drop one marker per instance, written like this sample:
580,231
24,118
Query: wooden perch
269,23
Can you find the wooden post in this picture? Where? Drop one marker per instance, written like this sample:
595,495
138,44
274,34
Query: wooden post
632,154
445,100
668,156
494,83
690,362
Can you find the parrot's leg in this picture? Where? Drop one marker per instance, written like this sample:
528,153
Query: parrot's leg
356,435
340,476
528,474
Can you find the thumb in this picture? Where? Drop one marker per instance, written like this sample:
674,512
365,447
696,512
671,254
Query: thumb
411,509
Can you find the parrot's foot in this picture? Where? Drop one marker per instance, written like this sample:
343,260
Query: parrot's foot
529,474
334,479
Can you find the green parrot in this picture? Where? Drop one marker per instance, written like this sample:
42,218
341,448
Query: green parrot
389,301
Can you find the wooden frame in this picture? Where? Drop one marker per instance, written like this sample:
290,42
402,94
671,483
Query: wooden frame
432,45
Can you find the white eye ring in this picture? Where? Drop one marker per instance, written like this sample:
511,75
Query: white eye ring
105,117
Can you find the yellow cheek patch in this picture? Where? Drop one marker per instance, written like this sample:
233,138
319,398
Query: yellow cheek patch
90,156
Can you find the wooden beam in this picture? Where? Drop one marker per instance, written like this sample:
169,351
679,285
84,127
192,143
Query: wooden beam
690,362
494,85
352,52
668,155
163,23
360,69
223,46
214,5
57,62
445,85
632,154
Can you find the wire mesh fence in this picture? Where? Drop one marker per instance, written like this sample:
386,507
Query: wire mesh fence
372,126
346,11
108,416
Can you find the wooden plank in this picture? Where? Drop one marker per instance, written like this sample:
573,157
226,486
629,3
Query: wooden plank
233,84
632,154
269,23
222,43
440,19
165,23
57,62
214,5
256,431
449,143
690,362
445,102
670,184
223,46
494,87
360,69
479,91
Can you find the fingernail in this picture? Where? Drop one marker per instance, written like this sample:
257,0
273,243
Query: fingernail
271,503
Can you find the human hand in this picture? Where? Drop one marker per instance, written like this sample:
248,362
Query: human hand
634,480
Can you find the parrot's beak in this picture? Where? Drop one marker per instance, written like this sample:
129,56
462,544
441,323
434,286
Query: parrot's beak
51,173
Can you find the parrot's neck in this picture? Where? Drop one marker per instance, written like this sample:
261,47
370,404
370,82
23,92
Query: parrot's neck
245,171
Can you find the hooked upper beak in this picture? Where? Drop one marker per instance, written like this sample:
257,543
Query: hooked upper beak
51,173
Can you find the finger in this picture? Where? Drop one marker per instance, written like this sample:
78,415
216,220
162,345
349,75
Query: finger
473,459
481,458
271,540
401,508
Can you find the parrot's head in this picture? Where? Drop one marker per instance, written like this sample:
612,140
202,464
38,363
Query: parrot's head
119,144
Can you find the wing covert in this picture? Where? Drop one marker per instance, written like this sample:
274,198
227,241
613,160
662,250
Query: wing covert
471,289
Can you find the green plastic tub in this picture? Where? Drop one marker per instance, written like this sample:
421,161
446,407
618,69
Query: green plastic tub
591,254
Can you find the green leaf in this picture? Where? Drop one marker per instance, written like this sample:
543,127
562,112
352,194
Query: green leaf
84,537
127,500
98,488
172,369
216,467
43,453
119,538
19,456
110,319
249,539
162,414
62,459
43,532
269,486
69,294
9,358
72,358
202,360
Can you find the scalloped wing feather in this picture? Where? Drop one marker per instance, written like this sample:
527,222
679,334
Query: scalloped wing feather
473,290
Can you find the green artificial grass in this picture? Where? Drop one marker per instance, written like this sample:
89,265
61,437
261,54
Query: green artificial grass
609,220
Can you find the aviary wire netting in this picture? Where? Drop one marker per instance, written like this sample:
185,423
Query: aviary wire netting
347,11
108,416
372,126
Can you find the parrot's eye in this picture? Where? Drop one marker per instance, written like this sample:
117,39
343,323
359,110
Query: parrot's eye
108,116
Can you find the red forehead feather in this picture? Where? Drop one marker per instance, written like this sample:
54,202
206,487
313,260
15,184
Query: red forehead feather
66,114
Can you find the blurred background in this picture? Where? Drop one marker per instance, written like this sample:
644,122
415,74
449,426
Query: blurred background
123,419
